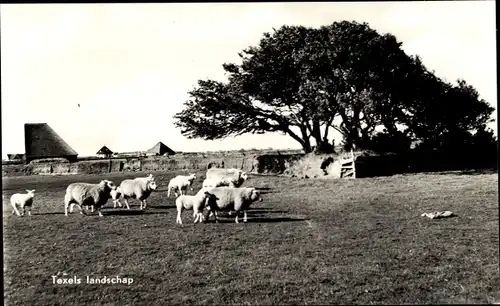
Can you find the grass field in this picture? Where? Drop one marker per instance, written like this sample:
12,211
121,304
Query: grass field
309,242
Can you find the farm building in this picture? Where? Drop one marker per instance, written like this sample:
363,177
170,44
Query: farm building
17,156
104,152
160,149
41,141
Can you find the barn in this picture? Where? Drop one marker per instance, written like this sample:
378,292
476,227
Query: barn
159,149
104,152
41,141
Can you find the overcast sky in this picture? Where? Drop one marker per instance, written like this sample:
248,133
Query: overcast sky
129,66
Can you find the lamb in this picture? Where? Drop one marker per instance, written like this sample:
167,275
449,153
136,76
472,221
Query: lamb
115,195
181,183
23,200
194,202
84,194
229,198
226,177
139,188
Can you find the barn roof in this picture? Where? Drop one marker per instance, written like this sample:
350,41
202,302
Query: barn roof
41,141
104,150
160,149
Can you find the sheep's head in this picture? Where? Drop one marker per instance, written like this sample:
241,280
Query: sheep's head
244,176
108,184
192,176
152,185
255,195
31,192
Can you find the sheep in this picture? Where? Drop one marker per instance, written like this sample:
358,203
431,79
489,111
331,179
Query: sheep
181,183
23,200
208,183
115,195
194,202
229,198
139,188
226,177
85,194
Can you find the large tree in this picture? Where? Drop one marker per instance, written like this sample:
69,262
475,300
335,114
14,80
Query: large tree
298,80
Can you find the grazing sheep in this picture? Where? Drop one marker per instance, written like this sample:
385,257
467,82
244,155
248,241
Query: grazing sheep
84,194
115,196
181,183
226,177
228,198
139,188
23,200
194,202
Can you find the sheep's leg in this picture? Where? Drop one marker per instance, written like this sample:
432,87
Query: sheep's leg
145,204
29,211
245,216
230,213
236,219
92,208
15,210
117,201
126,203
179,220
99,211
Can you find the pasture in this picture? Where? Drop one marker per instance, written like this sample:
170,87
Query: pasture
309,242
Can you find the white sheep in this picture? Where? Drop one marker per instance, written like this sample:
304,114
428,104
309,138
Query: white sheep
194,202
139,188
23,200
115,196
209,183
226,177
181,183
85,194
229,198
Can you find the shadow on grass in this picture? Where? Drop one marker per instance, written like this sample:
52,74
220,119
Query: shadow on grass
162,207
266,211
257,220
132,212
467,172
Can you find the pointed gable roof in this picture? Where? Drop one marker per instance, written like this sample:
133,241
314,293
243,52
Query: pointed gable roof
41,141
160,149
104,150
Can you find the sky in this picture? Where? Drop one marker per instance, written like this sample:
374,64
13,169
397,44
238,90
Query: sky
130,66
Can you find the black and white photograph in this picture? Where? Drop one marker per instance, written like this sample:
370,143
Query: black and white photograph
250,153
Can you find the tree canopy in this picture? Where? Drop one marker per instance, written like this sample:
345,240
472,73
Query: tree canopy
306,82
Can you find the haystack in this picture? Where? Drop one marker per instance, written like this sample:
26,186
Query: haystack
41,141
160,149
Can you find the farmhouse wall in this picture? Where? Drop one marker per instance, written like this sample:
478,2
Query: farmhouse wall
366,165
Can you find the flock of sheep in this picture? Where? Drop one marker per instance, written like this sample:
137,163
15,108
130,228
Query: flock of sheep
220,191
